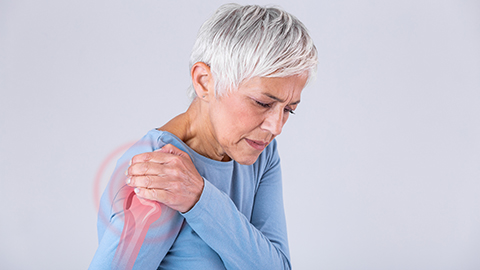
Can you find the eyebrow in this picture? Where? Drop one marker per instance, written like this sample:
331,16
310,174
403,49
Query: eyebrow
279,99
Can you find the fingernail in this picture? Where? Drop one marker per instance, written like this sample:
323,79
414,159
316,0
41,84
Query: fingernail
136,190
126,172
129,180
130,162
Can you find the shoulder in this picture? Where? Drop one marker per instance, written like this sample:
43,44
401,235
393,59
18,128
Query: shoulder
156,139
153,140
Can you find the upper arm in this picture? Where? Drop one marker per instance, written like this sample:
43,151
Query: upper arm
127,225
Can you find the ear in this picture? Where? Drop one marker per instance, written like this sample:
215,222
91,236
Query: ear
202,81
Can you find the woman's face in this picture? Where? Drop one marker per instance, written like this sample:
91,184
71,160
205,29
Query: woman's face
245,121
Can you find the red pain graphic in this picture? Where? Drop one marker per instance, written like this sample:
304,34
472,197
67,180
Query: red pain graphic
137,215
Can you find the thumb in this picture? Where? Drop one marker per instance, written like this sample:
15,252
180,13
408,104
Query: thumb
171,149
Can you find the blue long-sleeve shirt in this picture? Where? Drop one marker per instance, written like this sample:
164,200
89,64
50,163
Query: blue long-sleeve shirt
238,222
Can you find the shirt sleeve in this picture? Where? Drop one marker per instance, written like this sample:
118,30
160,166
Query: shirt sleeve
259,243
118,223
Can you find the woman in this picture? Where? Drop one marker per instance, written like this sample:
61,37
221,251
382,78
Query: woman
204,191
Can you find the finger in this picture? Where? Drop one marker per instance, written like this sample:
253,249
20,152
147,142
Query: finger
171,149
148,181
154,194
162,155
157,156
146,168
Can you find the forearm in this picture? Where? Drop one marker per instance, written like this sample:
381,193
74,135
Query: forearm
238,242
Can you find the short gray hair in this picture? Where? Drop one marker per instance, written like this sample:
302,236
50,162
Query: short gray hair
242,42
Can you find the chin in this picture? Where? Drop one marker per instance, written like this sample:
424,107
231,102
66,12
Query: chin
246,159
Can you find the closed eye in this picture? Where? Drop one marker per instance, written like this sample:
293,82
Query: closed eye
265,105
289,111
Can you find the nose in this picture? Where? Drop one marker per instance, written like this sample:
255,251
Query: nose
274,122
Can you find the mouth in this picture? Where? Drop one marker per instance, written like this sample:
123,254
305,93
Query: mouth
257,145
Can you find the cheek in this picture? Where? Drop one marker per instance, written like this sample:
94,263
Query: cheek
248,119
227,119
238,116
243,121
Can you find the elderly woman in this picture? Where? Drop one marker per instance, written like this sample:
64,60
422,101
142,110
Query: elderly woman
204,191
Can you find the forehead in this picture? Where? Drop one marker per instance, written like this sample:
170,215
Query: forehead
281,87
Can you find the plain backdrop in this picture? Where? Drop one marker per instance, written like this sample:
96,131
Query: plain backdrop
381,163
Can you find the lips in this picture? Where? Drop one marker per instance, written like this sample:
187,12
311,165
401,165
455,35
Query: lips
258,145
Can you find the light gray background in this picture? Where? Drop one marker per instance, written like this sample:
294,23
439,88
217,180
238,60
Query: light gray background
381,163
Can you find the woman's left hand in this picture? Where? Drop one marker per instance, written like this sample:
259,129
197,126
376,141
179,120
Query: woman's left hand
166,175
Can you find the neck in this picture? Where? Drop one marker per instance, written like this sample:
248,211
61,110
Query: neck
194,128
